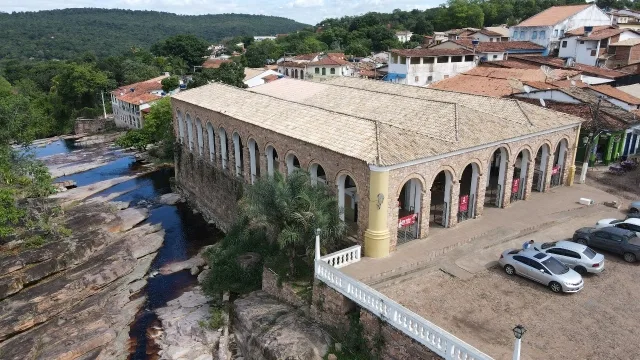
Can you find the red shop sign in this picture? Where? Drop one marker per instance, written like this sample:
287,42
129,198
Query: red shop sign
516,185
555,170
464,203
408,220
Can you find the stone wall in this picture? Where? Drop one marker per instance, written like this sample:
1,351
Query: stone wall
390,343
282,291
92,126
329,307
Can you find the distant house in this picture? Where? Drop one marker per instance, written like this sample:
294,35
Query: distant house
591,45
624,53
486,35
616,97
215,63
420,67
260,38
503,30
129,102
254,77
404,36
549,26
315,66
626,18
493,51
456,34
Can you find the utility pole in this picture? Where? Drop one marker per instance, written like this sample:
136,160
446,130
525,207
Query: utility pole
588,140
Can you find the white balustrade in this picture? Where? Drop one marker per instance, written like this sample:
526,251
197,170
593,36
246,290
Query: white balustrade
343,257
436,339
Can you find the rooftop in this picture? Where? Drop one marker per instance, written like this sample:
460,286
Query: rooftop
502,30
140,93
215,63
616,94
500,46
553,15
330,61
488,32
633,90
516,61
598,32
250,73
430,52
628,42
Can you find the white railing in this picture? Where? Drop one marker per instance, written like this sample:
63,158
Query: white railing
436,339
343,257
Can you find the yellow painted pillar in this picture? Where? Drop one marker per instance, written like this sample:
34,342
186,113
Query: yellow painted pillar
572,168
376,237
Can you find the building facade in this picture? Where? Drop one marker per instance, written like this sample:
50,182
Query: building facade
400,159
420,67
593,45
128,102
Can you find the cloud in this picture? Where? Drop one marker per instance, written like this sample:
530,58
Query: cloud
305,3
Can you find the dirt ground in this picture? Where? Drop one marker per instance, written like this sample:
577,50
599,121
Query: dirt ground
600,322
626,186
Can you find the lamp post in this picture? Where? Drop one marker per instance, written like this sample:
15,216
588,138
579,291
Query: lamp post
587,152
518,332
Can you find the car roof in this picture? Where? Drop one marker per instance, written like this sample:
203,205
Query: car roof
617,230
634,221
533,254
569,245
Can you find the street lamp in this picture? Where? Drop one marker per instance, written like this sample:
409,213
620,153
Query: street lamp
518,332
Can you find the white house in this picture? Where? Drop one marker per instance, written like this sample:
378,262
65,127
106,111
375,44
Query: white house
590,45
420,67
486,35
493,51
260,38
404,36
128,102
316,66
548,27
255,77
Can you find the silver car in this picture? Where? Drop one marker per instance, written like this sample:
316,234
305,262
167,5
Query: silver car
580,258
542,268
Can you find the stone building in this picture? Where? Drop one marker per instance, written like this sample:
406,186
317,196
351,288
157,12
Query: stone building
401,159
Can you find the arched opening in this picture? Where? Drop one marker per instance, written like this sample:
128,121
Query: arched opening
540,168
468,192
520,174
254,164
224,155
180,127
559,158
409,207
301,74
238,154
212,141
318,176
273,162
348,202
190,132
296,74
292,163
495,178
286,72
440,199
200,136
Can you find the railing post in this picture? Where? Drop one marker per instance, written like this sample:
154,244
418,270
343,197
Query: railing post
317,244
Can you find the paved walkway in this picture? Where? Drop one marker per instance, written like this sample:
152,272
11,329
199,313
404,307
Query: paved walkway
495,226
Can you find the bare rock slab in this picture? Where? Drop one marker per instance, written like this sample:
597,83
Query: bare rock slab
170,199
267,329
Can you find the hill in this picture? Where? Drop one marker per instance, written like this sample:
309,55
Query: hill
64,34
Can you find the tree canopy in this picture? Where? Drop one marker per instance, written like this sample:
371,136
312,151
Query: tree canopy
189,48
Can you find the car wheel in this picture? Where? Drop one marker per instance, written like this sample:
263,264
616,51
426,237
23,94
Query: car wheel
555,287
582,241
510,270
633,210
629,257
580,270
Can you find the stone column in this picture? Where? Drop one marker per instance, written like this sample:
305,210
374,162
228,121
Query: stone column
425,205
571,169
547,174
480,194
282,166
377,237
529,183
453,203
508,183
246,166
262,159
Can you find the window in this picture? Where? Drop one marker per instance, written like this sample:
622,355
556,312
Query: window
543,34
468,58
555,33
414,60
522,259
332,71
589,253
593,52
495,57
571,254
416,79
564,44
403,60
456,59
582,42
429,78
490,39
561,33
317,71
515,35
555,266
534,35
522,36
443,59
428,60
324,71
446,76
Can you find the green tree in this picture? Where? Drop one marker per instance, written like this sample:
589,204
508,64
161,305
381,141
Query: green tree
170,83
135,71
189,48
79,85
231,73
157,129
259,53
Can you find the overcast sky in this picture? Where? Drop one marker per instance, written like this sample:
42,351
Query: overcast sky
306,11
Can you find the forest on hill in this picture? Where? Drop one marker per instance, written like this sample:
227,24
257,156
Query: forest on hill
64,34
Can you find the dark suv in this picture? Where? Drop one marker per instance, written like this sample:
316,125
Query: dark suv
612,239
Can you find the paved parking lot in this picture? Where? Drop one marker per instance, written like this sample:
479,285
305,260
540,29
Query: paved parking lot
600,322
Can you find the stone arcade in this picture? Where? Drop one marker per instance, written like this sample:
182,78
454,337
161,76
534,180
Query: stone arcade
401,159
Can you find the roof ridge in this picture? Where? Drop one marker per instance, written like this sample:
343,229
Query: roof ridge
378,157
524,113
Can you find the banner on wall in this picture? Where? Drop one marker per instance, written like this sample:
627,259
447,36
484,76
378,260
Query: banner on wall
516,186
464,203
407,220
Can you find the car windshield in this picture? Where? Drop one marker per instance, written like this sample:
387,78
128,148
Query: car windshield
555,266
589,253
616,221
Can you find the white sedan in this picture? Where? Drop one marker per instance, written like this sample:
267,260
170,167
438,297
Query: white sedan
632,224
580,258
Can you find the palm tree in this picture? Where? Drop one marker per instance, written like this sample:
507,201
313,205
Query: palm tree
289,211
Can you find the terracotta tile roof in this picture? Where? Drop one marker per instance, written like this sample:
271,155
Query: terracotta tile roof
602,34
271,77
329,61
306,57
559,64
553,15
503,31
250,73
515,64
141,91
500,46
628,42
430,52
293,64
460,31
606,107
580,31
616,94
214,63
486,32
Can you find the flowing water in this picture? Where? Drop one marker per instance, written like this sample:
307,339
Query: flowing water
186,232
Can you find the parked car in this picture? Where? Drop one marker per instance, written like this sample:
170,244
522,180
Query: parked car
613,239
542,268
634,207
580,258
632,224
